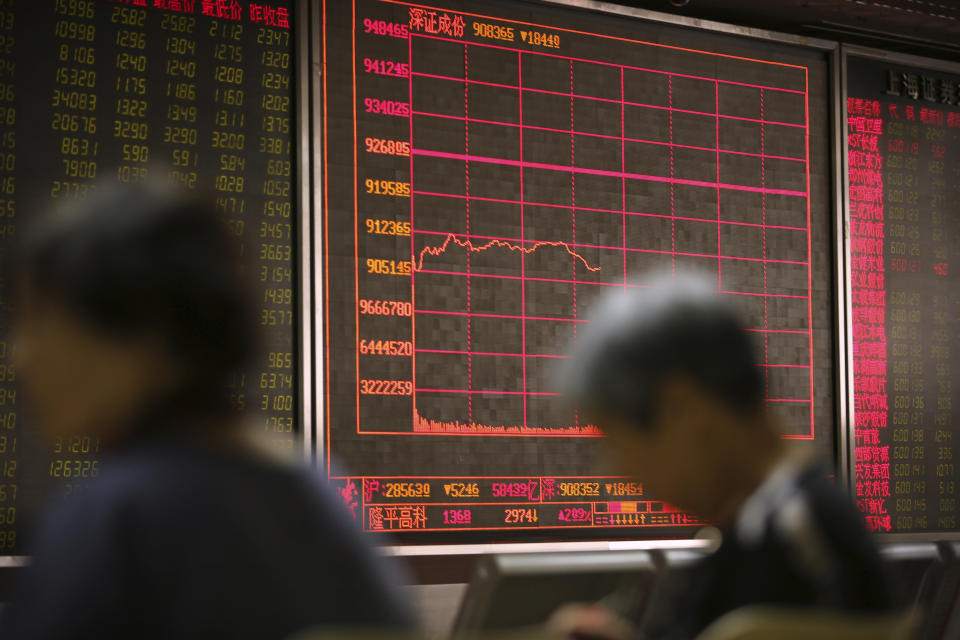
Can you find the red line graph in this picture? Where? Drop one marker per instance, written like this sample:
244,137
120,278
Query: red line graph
509,242
498,243
577,249
495,173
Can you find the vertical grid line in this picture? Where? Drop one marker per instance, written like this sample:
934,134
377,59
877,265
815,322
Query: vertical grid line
716,96
763,220
466,201
623,178
673,207
806,140
573,216
413,286
523,261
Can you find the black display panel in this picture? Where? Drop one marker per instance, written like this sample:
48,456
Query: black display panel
490,168
195,92
903,154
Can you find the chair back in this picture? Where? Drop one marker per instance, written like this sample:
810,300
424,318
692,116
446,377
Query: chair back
769,623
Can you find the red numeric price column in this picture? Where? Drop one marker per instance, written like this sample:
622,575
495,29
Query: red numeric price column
383,225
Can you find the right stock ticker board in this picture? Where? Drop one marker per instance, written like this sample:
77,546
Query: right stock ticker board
903,157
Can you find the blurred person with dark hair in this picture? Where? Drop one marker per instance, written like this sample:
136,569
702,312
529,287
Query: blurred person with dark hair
130,319
669,374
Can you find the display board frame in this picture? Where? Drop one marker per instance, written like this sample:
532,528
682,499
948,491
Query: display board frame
834,138
844,292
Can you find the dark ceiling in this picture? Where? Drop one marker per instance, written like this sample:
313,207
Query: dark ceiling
923,27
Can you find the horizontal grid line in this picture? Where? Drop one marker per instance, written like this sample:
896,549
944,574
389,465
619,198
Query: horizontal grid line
667,216
507,316
489,392
610,248
588,282
610,100
461,352
556,394
464,352
603,172
602,135
607,64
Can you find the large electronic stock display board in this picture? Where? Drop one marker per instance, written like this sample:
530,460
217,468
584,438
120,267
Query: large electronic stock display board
195,92
903,157
491,168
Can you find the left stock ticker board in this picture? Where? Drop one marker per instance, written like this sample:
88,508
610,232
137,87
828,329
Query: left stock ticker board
491,168
196,93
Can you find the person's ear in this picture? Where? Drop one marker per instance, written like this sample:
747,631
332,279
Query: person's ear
678,398
675,394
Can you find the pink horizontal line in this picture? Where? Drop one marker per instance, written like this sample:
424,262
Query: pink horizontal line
502,277
754,155
610,100
609,248
497,315
768,295
793,331
549,319
587,282
462,352
789,366
602,135
608,64
602,172
546,393
489,353
488,392
529,203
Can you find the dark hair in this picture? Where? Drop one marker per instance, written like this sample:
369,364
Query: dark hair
640,337
142,259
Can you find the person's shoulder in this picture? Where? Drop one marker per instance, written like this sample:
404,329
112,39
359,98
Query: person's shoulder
139,473
829,502
823,527
121,483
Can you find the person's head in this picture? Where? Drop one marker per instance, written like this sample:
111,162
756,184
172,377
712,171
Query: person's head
669,374
128,306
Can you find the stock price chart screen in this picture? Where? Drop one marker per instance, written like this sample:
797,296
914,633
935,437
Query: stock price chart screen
490,170
195,93
903,152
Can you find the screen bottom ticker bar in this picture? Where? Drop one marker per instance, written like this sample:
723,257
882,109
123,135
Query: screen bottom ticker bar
484,503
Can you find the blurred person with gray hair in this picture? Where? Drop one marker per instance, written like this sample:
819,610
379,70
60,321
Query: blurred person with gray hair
669,374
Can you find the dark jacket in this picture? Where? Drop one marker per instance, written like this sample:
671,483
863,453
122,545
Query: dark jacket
177,541
797,542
